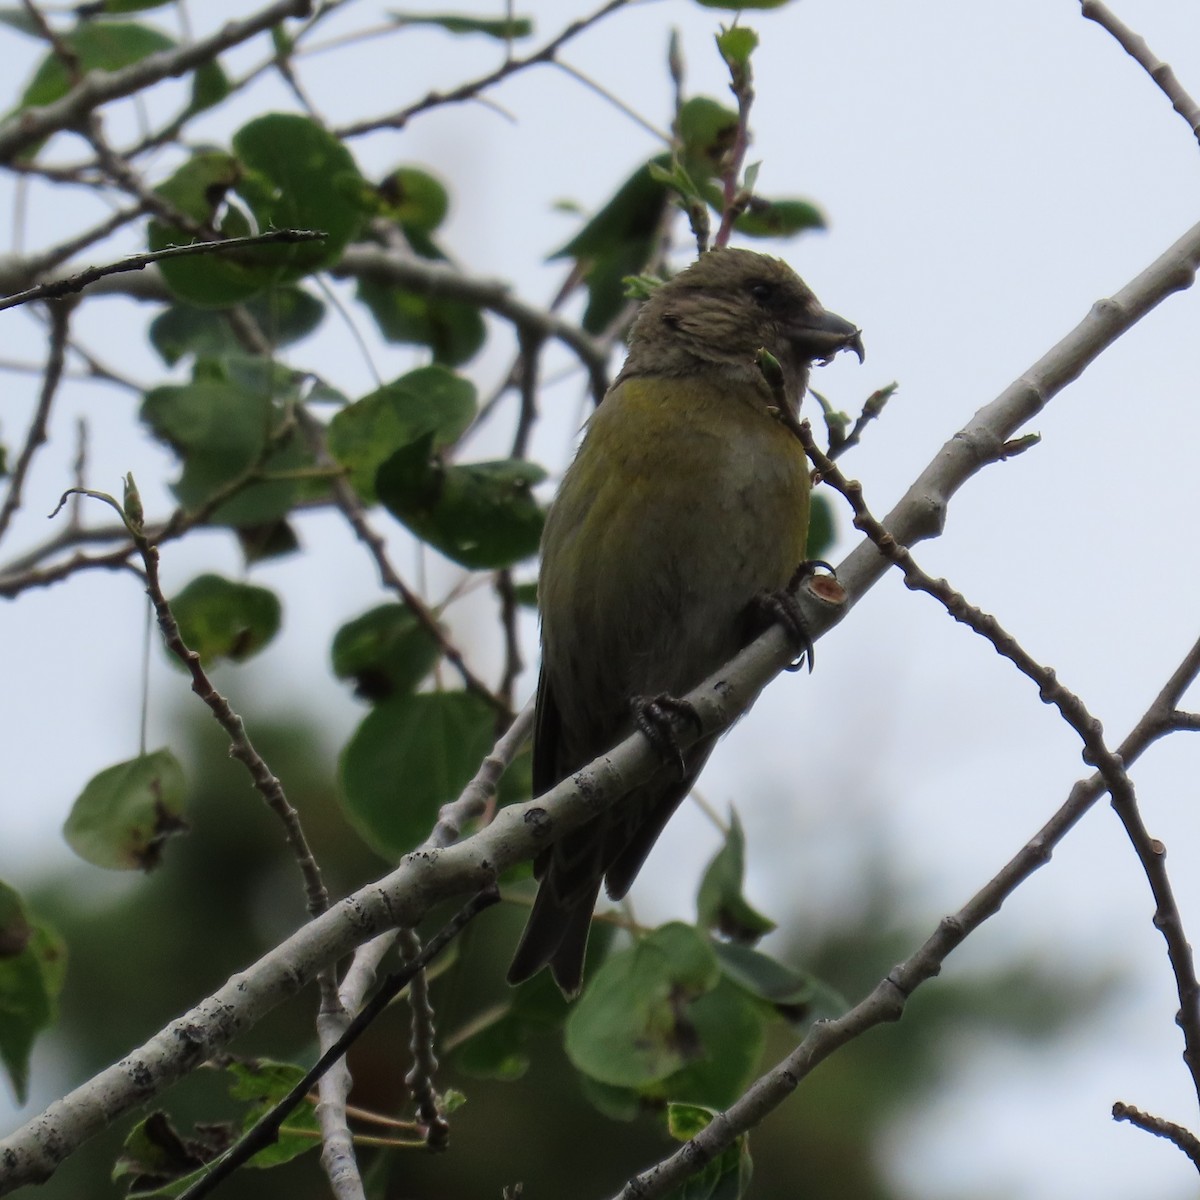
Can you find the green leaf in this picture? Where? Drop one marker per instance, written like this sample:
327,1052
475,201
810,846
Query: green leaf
98,46
504,29
616,1103
284,314
497,1050
483,516
738,5
262,1083
312,183
720,904
156,1160
270,539
220,432
220,619
821,530
779,218
736,45
619,240
289,173
730,1029
430,400
633,1026
385,651
726,1177
123,817
633,214
128,6
413,199
706,132
210,85
498,1046
199,189
452,329
32,965
526,595
799,997
410,756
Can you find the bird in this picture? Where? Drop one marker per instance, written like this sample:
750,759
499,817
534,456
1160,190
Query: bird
686,504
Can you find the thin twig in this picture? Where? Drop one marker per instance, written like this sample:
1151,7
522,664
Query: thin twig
351,507
60,317
425,277
265,780
477,798
138,262
887,999
425,1064
472,90
735,197
1151,853
35,265
62,51
30,126
1183,1138
1136,47
506,593
264,1132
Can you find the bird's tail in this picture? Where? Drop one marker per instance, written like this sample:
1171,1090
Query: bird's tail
556,935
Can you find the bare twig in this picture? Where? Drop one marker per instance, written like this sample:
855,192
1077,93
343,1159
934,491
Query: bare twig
266,1129
352,509
35,265
425,277
138,262
62,51
888,998
31,126
472,90
1136,47
477,798
425,1064
1151,853
1176,1134
735,196
506,593
265,781
60,316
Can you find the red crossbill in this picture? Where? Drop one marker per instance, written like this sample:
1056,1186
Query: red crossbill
687,502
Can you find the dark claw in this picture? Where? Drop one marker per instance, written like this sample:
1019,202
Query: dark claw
809,567
782,608
656,716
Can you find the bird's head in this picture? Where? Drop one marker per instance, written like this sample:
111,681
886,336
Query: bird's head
725,308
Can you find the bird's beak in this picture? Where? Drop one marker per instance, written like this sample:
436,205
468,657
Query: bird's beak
819,337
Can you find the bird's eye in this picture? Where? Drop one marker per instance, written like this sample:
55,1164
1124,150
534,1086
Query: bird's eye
764,294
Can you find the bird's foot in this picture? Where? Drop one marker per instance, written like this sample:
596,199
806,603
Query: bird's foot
657,716
782,608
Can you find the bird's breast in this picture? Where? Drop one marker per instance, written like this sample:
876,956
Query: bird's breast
683,503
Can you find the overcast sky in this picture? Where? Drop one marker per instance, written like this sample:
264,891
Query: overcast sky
989,171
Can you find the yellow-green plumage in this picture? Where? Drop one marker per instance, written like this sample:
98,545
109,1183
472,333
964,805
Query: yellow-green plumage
688,499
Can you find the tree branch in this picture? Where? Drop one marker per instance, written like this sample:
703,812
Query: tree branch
30,126
886,1002
1137,48
57,288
